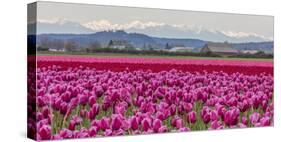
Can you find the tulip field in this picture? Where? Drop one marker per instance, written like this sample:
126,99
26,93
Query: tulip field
79,97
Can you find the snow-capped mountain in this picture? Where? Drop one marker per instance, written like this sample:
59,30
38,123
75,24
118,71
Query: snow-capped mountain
150,28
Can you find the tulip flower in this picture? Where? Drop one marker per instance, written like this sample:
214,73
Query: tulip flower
104,123
254,118
45,132
265,121
157,123
146,124
191,117
134,123
116,122
231,116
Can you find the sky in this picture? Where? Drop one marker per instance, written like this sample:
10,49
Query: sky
169,23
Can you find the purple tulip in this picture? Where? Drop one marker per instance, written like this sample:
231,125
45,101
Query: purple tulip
116,122
214,115
265,121
118,132
94,110
216,125
45,132
163,129
254,118
65,133
146,124
231,117
93,131
134,123
191,117
157,123
108,132
92,100
184,129
179,123
83,99
244,120
104,123
241,125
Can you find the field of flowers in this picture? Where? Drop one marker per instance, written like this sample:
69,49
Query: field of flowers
78,97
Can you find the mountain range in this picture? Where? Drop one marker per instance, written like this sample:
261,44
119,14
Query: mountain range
140,40
153,29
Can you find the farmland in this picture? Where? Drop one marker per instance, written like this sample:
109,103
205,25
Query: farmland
82,96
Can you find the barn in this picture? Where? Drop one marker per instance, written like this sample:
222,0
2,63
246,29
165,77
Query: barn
219,48
119,44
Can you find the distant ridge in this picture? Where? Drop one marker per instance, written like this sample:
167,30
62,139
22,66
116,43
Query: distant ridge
139,40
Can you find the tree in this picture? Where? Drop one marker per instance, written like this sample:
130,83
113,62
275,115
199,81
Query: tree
57,44
45,42
93,46
70,46
167,46
110,43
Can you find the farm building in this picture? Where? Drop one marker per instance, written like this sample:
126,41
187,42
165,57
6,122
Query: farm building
182,49
250,51
219,48
119,44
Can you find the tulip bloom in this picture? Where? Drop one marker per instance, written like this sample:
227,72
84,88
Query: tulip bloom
254,118
116,122
157,123
45,132
231,116
191,117
134,123
146,124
